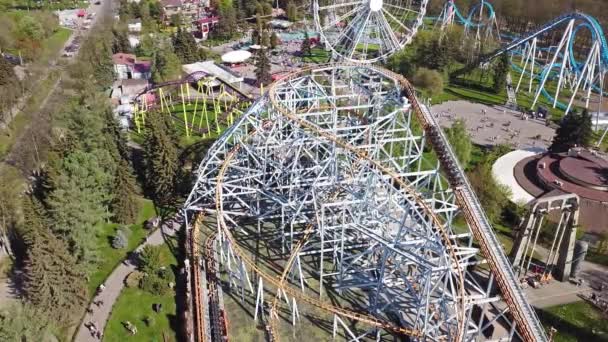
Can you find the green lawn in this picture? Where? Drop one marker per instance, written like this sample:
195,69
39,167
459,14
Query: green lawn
578,321
53,44
134,305
318,55
112,257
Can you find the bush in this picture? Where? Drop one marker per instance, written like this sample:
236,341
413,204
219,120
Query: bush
133,279
167,275
154,284
120,241
429,80
148,320
151,259
126,230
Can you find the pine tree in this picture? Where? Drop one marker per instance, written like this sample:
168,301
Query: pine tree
120,41
306,49
161,160
574,130
226,27
265,41
53,282
79,201
262,68
125,205
292,11
274,40
185,46
501,71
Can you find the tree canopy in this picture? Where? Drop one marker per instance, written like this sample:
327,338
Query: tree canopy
460,141
574,130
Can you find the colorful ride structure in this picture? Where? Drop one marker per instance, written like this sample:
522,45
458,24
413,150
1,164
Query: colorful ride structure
201,103
481,20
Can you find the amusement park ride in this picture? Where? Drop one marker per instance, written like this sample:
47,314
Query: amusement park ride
317,197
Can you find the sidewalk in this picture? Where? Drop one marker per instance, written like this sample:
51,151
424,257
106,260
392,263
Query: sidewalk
114,285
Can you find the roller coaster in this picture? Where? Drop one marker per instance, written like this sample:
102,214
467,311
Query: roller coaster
320,196
546,64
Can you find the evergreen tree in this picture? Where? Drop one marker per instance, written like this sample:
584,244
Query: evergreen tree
227,26
79,201
265,41
306,48
292,11
53,282
120,41
23,322
165,66
125,205
185,46
274,40
574,130
501,71
161,160
262,67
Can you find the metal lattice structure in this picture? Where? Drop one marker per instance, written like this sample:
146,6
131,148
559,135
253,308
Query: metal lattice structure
327,172
323,201
367,30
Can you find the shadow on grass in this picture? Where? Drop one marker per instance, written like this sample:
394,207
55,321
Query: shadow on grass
566,328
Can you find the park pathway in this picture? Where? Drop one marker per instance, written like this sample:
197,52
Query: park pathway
115,283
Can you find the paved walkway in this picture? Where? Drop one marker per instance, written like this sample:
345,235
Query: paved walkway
114,285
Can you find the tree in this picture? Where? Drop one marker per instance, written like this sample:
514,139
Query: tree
306,47
430,80
185,46
501,71
165,66
292,11
23,322
151,259
574,130
492,195
262,67
460,141
125,205
265,40
79,201
120,42
161,162
227,26
274,40
53,282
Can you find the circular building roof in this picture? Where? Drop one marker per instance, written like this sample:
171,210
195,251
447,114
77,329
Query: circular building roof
238,56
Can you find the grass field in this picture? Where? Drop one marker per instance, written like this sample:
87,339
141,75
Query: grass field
112,257
318,55
578,321
135,305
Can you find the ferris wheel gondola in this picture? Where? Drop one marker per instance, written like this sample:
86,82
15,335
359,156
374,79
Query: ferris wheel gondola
367,30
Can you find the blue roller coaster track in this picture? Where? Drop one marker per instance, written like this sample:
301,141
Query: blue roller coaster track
585,21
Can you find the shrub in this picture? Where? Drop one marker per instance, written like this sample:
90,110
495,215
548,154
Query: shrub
429,80
126,230
149,320
154,284
133,279
120,241
166,274
151,259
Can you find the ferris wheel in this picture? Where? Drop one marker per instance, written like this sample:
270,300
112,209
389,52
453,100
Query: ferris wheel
367,30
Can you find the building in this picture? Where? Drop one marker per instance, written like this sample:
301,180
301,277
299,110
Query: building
210,69
171,7
126,66
204,25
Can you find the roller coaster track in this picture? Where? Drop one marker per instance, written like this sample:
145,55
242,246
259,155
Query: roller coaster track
587,21
527,321
524,316
191,78
197,298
